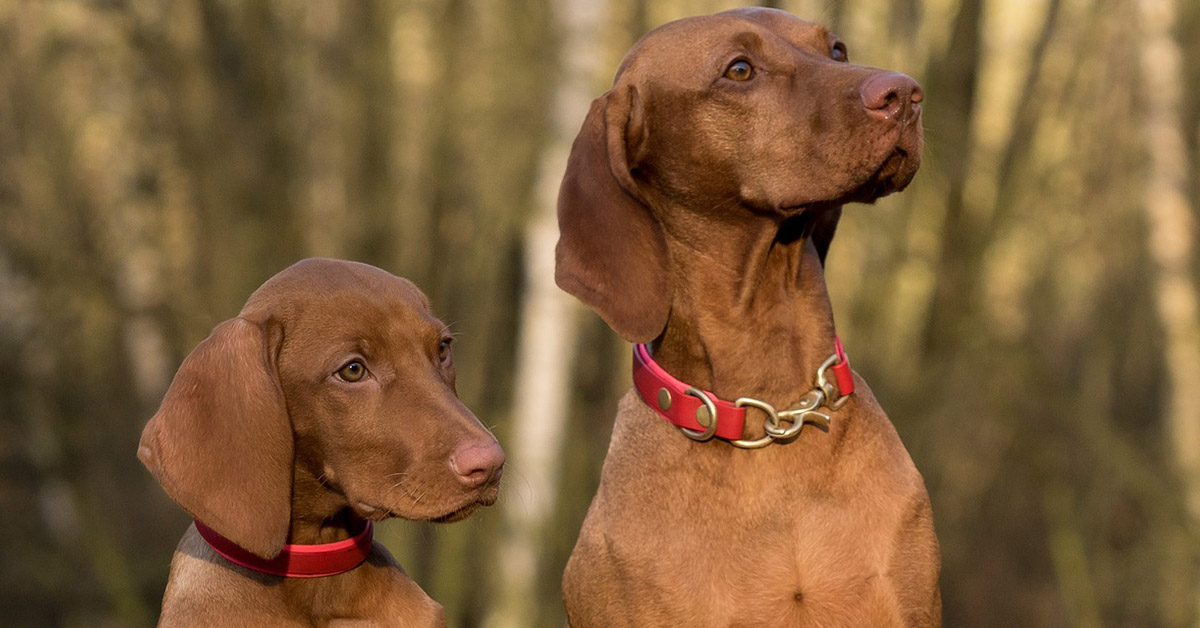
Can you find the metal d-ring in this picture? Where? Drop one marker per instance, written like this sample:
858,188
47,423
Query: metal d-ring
771,422
712,413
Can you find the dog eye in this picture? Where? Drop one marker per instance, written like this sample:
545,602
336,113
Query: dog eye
838,52
352,372
444,349
739,70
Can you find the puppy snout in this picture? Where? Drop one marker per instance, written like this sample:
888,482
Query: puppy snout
892,96
478,463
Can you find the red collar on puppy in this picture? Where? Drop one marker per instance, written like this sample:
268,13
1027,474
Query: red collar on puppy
297,561
685,406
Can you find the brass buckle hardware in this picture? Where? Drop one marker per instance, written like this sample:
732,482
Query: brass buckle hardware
784,425
806,412
801,414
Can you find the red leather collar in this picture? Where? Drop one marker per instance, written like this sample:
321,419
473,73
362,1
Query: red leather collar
678,403
297,561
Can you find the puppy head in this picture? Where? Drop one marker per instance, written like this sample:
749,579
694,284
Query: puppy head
334,369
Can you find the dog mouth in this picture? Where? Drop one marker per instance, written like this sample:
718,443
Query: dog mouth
466,509
893,175
486,496
457,515
891,167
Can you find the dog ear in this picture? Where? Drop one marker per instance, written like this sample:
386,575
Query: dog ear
824,226
611,253
221,443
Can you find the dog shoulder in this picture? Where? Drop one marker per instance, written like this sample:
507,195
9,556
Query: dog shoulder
203,591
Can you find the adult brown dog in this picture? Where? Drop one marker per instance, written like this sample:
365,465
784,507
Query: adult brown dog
329,401
699,200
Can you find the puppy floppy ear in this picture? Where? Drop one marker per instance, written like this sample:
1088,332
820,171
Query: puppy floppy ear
611,253
221,444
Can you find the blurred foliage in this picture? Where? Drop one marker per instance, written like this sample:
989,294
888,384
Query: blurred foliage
159,159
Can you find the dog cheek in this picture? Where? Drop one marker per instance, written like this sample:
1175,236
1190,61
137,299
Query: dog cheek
393,466
376,467
383,443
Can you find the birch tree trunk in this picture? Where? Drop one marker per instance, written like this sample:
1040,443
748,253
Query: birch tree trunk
547,335
1172,240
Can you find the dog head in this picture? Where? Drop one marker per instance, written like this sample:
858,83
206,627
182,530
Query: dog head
333,369
743,115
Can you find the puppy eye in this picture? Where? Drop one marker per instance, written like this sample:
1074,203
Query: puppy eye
838,52
352,372
444,349
739,70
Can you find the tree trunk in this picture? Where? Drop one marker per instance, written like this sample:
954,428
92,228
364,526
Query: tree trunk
953,79
547,336
1172,231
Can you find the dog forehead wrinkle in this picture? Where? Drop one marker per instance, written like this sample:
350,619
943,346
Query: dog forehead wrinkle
748,40
790,31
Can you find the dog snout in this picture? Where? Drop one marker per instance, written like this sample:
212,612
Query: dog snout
478,463
892,96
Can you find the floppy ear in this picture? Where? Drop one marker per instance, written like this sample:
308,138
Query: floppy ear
824,226
221,444
611,253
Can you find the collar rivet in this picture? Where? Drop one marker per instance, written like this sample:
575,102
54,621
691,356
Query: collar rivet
664,399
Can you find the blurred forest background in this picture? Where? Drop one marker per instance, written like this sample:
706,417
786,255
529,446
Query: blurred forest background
1026,311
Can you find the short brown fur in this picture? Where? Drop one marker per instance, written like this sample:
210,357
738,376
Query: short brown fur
695,214
260,438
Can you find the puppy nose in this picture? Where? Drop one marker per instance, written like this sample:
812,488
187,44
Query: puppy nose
478,463
892,96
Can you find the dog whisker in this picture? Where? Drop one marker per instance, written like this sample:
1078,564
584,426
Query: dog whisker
514,487
732,200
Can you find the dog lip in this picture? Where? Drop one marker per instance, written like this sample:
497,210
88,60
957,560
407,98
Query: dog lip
486,495
791,209
374,513
796,206
457,515
893,174
489,494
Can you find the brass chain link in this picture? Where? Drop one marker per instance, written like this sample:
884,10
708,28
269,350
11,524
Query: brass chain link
781,425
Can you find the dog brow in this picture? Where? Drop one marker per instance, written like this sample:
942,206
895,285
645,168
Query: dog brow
749,40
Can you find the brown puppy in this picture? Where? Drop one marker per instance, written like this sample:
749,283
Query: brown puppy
698,202
327,402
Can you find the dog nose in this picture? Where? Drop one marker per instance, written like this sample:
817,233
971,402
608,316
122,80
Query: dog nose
478,463
892,96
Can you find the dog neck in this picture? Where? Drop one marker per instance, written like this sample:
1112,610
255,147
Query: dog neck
750,314
319,514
